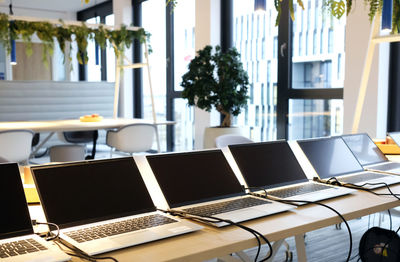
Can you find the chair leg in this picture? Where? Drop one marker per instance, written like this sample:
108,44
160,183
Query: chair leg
111,151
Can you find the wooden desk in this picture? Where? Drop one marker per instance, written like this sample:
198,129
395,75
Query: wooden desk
213,242
53,126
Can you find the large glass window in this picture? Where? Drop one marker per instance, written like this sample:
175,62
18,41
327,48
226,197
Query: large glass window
94,55
153,20
317,117
260,114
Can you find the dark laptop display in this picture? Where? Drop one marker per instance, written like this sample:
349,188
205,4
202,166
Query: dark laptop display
194,177
112,188
365,150
330,157
267,164
15,221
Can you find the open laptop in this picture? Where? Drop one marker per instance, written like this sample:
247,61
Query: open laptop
273,166
369,155
330,157
395,136
203,183
103,205
18,243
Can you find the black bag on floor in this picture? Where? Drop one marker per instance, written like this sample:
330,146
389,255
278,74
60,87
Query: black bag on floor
380,245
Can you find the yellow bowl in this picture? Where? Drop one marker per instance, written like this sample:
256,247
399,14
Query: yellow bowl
91,119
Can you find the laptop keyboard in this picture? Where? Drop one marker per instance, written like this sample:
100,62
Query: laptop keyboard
362,177
20,247
387,166
226,206
298,190
130,225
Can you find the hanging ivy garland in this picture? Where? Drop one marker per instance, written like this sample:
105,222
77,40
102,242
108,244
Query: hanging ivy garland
337,8
47,33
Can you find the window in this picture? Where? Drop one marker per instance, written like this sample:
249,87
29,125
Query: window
259,115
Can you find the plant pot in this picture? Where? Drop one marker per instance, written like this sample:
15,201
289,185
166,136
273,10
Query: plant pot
210,133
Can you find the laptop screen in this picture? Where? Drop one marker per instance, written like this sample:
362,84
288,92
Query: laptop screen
330,157
193,177
82,192
364,149
14,218
395,136
267,164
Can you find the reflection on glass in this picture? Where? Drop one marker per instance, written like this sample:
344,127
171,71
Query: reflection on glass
110,55
184,39
184,117
255,37
315,118
316,31
94,55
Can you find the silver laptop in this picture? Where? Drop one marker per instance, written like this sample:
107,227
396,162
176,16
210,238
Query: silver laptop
330,157
103,205
369,155
203,183
18,243
273,167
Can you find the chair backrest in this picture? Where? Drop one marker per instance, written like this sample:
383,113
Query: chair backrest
226,140
133,138
16,145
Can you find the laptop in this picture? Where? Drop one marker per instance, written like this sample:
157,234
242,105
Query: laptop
273,166
369,155
395,136
330,157
103,205
203,183
18,243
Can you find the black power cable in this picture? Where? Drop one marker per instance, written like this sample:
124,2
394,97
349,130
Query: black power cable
78,252
309,202
212,219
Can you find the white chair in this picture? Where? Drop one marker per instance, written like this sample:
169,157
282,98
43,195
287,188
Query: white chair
226,140
66,153
132,138
16,145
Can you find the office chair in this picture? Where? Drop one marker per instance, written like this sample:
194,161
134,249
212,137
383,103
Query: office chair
132,138
16,145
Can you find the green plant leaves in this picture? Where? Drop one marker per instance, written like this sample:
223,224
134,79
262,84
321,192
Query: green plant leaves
216,80
338,8
46,32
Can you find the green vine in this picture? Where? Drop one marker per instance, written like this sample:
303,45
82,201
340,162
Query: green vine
47,33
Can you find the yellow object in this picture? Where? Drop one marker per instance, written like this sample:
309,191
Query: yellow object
31,194
90,118
389,149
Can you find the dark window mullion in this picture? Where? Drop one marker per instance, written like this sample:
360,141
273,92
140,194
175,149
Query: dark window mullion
316,93
170,75
284,71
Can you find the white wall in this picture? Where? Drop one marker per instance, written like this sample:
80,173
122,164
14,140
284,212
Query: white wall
373,117
208,32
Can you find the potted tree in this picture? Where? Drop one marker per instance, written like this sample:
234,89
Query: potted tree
217,80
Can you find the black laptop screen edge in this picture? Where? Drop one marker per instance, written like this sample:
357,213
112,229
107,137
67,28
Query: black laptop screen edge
254,187
198,201
90,220
26,228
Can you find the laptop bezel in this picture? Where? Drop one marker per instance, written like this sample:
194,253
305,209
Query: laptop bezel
91,220
257,188
327,138
198,201
370,140
20,188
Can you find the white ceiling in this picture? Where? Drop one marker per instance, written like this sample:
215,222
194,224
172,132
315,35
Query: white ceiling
51,5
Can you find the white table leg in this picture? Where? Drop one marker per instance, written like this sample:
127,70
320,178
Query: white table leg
300,248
